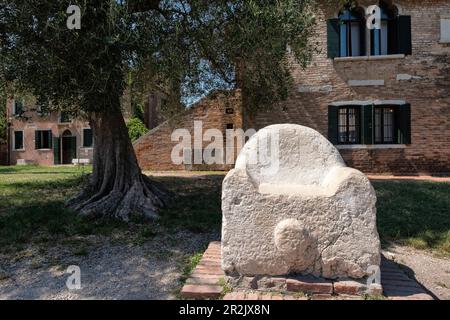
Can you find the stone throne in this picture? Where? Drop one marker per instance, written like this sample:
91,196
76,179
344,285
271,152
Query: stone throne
292,206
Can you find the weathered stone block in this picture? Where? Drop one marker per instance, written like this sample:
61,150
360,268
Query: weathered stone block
298,209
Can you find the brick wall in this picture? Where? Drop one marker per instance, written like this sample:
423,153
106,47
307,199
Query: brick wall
34,122
427,90
155,148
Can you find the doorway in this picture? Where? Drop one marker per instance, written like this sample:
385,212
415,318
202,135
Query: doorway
68,147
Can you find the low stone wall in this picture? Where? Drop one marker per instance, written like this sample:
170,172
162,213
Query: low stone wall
218,111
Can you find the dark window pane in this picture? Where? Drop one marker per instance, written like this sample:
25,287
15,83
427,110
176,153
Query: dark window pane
87,138
65,117
18,140
378,135
44,139
343,42
384,125
18,107
388,125
349,125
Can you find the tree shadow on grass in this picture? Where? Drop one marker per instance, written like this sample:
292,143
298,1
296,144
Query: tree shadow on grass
416,213
35,209
196,205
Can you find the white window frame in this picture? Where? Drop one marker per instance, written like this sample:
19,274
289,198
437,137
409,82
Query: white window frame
14,140
82,138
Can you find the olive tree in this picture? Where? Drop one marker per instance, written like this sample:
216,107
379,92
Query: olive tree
186,47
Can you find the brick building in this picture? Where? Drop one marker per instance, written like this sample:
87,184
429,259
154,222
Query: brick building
221,110
381,96
41,138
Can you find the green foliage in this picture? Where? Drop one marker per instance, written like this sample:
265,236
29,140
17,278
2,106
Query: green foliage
183,48
373,297
32,204
138,110
136,129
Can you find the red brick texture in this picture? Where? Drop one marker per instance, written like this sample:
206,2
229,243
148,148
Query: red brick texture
154,149
310,287
205,281
427,92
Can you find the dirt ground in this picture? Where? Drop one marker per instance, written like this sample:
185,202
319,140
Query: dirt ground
112,270
109,270
430,271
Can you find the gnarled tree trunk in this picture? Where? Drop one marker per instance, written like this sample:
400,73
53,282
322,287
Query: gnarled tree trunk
117,187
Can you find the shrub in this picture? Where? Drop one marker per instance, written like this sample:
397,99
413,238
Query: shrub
136,129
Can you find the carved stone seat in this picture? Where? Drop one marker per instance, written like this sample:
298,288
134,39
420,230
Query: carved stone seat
292,206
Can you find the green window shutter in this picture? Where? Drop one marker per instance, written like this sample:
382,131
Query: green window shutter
403,123
37,139
333,38
404,35
87,138
18,107
393,36
50,140
73,147
367,124
333,114
57,150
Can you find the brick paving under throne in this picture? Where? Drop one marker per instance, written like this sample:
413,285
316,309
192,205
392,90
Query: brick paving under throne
207,282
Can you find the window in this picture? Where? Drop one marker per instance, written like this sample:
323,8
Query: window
87,138
369,124
348,35
351,33
19,107
349,125
65,117
42,110
43,139
18,140
384,125
445,29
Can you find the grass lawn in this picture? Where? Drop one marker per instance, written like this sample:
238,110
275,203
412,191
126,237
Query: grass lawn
32,209
415,213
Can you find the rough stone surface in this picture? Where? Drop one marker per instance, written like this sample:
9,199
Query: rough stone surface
399,286
301,210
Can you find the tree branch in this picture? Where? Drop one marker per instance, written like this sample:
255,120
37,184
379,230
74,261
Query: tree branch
136,6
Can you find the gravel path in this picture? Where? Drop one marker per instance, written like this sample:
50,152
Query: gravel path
117,269
431,271
109,269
